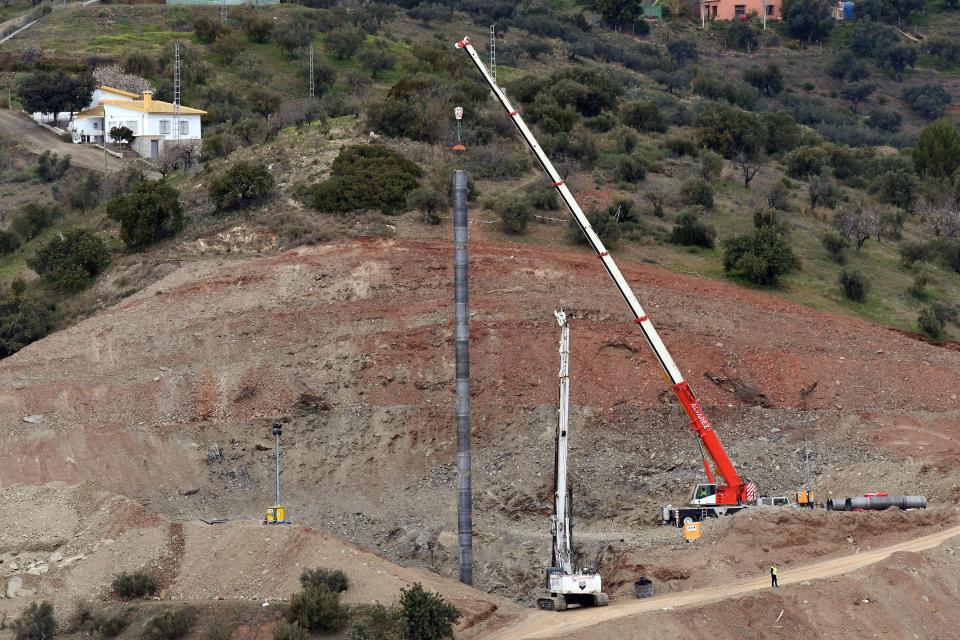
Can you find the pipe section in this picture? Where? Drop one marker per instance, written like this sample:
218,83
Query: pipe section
464,488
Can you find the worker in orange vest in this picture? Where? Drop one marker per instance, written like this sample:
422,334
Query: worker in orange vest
773,575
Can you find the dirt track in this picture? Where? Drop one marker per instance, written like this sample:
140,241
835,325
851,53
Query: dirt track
542,624
37,140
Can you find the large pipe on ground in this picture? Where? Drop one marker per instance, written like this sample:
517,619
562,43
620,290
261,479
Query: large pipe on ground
464,488
877,503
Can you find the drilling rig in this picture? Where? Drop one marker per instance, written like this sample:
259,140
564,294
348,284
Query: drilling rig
566,583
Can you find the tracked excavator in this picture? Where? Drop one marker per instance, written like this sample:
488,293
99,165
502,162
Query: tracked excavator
566,583
711,498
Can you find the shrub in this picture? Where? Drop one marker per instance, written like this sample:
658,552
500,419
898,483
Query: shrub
680,146
823,191
206,28
9,242
542,197
835,244
930,323
22,319
884,120
690,230
51,167
122,134
148,214
600,123
139,63
683,51
736,93
643,116
36,622
769,80
296,36
284,630
604,224
376,59
344,42
711,165
430,202
937,153
929,101
228,46
697,191
762,256
514,214
333,579
632,168
778,196
354,173
805,161
426,615
242,184
782,133
854,284
912,252
317,608
257,28
729,131
169,624
138,584
741,36
111,624
70,260
857,92
920,281
33,218
898,188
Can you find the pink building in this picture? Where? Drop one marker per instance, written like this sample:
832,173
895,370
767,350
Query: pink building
740,9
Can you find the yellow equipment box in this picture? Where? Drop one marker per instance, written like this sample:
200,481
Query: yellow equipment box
276,515
691,531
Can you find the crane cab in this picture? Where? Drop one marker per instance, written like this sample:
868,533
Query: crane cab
704,494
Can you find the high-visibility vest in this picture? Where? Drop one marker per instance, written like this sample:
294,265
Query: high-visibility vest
773,571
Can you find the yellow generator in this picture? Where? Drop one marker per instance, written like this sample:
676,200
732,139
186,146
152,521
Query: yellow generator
276,515
806,499
691,531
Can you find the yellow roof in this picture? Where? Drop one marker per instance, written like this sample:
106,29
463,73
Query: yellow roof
93,112
119,92
156,106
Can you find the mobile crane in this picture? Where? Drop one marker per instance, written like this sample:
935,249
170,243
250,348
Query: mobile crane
707,499
566,583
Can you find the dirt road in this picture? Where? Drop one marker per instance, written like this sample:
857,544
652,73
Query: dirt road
37,140
542,624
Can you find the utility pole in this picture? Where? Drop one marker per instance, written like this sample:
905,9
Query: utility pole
277,429
223,11
313,92
176,91
493,51
277,514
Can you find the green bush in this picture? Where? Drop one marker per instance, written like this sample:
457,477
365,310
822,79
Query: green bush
778,197
430,202
808,20
741,36
929,101
138,584
36,622
632,168
376,59
769,80
690,230
71,260
258,28
514,214
937,152
912,252
242,184
110,625
9,242
604,224
711,165
317,608
643,116
426,615
835,244
679,146
376,622
898,188
51,167
730,132
929,322
169,624
697,191
683,51
206,28
805,161
284,630
344,42
854,284
762,256
366,177
22,319
33,218
542,197
149,213
333,579
920,281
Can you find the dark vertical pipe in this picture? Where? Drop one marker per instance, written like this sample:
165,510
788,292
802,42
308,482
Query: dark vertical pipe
465,502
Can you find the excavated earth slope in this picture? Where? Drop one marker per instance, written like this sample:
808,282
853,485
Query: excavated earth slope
167,398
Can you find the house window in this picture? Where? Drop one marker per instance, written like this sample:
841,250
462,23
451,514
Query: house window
184,127
96,125
133,125
164,127
770,9
740,10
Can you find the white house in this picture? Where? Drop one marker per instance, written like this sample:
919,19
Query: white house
155,124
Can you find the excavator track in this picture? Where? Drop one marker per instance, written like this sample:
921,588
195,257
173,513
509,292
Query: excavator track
553,603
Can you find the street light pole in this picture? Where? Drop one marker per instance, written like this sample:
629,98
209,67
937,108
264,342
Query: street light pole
276,449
